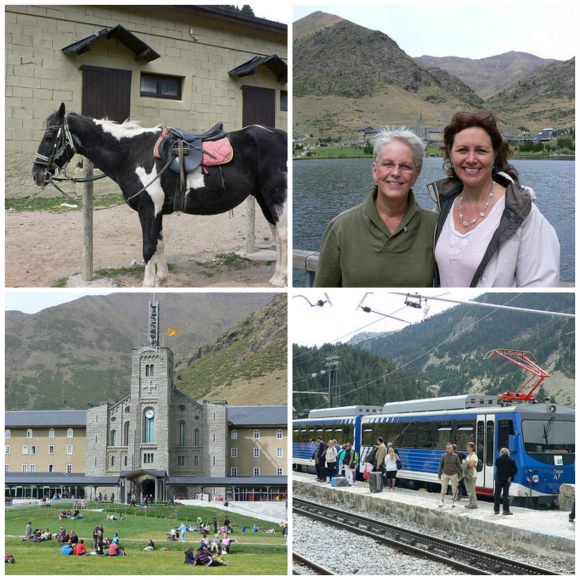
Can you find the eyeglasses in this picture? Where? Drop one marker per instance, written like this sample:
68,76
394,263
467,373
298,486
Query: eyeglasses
403,167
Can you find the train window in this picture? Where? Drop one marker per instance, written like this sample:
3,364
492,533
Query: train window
489,443
407,435
505,428
548,436
427,436
463,433
367,436
296,435
394,433
443,435
479,448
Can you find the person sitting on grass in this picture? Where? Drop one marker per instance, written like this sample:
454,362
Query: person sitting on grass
204,543
189,556
73,538
204,558
215,544
149,546
67,550
80,549
226,544
115,550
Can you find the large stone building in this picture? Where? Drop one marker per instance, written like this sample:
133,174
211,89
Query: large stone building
183,66
155,442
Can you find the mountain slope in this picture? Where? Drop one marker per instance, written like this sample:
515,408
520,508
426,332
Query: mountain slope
67,356
488,76
368,76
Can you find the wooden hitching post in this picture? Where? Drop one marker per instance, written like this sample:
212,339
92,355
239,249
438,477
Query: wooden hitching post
250,224
87,252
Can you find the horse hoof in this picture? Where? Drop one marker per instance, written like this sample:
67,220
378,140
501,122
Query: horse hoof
278,281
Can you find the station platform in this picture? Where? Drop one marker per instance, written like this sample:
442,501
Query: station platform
548,533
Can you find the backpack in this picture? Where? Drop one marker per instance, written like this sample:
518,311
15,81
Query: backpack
355,459
371,457
479,466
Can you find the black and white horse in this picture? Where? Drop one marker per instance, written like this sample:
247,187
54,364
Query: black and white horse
124,152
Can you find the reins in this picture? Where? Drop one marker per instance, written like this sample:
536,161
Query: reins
57,152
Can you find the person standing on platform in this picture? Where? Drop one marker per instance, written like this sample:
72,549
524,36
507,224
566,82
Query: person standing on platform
330,456
470,475
349,463
505,470
461,491
449,468
380,456
319,459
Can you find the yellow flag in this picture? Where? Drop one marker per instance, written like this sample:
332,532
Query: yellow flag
172,332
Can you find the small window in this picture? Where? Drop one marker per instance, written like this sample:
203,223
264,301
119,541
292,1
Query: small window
279,452
279,434
279,471
69,432
69,449
161,86
234,471
234,451
32,468
256,433
234,434
195,460
24,468
7,449
6,468
51,433
7,433
112,460
283,100
113,438
256,471
33,450
51,449
25,450
50,468
28,433
196,437
69,468
256,452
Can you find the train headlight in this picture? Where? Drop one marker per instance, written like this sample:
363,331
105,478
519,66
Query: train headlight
552,408
536,478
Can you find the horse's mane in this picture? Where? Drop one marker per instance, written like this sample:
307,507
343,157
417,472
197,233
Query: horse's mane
127,125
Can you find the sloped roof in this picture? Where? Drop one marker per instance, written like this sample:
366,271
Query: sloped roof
45,418
56,478
258,415
141,49
258,480
273,62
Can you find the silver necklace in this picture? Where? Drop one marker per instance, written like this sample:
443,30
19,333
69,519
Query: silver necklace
481,213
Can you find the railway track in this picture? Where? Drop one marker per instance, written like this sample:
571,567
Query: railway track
311,565
461,558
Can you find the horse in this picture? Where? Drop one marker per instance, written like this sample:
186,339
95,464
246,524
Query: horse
125,153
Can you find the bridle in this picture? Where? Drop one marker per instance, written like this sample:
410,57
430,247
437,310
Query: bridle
62,152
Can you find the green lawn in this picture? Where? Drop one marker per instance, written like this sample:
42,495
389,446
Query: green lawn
252,553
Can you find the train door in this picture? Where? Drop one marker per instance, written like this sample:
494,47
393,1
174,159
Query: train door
485,449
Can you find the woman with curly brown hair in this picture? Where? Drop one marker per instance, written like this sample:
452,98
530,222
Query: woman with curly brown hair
489,232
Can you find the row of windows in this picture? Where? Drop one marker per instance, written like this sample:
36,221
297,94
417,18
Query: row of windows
30,433
256,471
340,433
170,87
256,434
31,449
31,468
257,452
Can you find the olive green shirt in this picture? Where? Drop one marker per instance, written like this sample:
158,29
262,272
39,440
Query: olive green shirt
358,250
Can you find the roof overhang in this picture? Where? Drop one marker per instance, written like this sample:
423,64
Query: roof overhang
273,62
141,49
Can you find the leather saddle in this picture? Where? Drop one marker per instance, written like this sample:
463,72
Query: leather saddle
183,152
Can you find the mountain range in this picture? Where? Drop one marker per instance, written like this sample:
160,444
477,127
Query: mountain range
447,354
347,77
78,353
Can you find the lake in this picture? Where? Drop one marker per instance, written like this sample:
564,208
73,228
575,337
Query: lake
322,188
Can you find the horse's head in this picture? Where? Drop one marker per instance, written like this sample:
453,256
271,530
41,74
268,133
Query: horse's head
56,148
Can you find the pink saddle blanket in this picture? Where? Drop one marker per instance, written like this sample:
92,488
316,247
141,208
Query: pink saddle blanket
214,152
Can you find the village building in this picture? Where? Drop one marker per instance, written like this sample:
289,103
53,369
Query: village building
184,66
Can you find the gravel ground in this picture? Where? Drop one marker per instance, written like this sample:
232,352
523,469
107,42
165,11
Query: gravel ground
312,539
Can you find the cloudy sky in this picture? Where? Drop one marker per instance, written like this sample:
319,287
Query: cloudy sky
469,31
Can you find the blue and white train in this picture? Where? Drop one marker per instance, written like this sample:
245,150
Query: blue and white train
540,437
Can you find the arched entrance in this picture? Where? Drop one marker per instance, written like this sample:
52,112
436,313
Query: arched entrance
148,488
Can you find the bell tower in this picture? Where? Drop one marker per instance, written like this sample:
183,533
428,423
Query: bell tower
151,392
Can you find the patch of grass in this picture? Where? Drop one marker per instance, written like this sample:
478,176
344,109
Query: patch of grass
60,283
118,275
230,260
54,204
251,553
